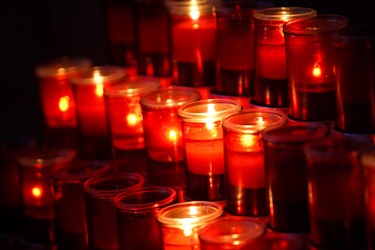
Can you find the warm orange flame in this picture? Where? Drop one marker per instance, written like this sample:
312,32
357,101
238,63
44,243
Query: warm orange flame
317,71
64,103
172,135
36,192
132,119
194,11
248,140
98,79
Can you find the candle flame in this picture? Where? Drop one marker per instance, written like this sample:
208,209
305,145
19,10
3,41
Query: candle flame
210,112
132,119
260,120
248,140
172,135
194,12
98,79
36,192
317,71
64,103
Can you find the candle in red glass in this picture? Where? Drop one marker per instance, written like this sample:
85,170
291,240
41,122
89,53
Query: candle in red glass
235,46
88,87
56,91
70,208
244,160
309,57
100,210
163,133
36,185
368,162
154,38
125,112
336,192
180,223
271,84
202,136
193,42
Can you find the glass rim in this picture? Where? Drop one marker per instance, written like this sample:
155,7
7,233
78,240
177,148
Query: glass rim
86,77
105,193
90,169
132,86
62,66
192,111
227,7
41,158
139,207
181,95
295,132
283,14
182,8
319,24
355,34
165,215
252,229
368,159
251,127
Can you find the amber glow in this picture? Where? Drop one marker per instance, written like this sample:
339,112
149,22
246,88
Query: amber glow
98,79
132,119
172,135
64,103
316,71
36,192
248,140
194,12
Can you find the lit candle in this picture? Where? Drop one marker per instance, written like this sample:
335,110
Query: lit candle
271,83
125,112
309,53
203,144
180,223
56,91
244,160
193,42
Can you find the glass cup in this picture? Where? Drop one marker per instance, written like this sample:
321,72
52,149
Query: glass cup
136,217
309,58
35,170
354,74
286,174
180,223
193,42
202,137
244,160
70,207
336,192
162,128
100,211
368,163
231,233
235,46
125,120
88,89
271,81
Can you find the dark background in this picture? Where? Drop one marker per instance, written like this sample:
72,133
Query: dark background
36,30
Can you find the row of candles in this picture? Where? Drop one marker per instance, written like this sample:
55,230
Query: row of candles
230,127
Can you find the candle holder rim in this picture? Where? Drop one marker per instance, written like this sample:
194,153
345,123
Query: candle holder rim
198,116
148,99
182,8
253,128
110,193
227,7
41,158
367,159
141,207
62,66
254,230
295,132
319,24
283,14
164,215
94,168
132,86
355,35
86,76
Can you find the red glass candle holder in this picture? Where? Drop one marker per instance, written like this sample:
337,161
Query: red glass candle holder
368,163
336,192
244,160
56,92
70,207
137,216
193,42
180,223
286,174
235,46
309,57
202,136
154,39
166,164
100,211
36,190
271,81
355,78
88,87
